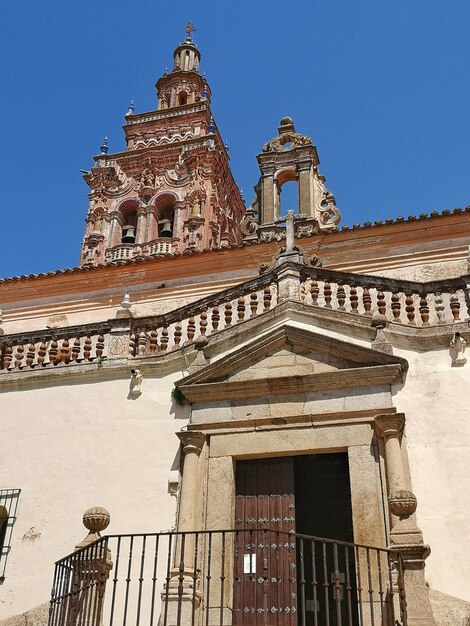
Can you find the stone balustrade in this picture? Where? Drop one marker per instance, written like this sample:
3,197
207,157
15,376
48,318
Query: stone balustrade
50,348
166,333
399,303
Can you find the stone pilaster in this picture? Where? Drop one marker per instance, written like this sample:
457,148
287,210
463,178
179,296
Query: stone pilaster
405,537
183,596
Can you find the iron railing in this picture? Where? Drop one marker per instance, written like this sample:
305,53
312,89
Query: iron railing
230,577
8,506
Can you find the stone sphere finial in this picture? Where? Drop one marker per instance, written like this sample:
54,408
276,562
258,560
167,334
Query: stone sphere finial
96,519
285,121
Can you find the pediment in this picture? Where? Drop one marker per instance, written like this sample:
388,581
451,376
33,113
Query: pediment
289,359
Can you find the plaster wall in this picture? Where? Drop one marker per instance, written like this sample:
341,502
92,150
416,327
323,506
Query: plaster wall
435,402
72,447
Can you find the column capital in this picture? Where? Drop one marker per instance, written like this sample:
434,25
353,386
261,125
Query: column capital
192,441
389,424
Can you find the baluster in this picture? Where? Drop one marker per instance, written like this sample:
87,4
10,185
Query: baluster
7,357
366,301
424,310
132,344
178,333
64,353
99,349
42,353
410,308
396,306
153,341
455,307
164,339
30,354
439,306
341,297
203,323
141,343
253,303
86,348
314,292
241,308
75,350
327,295
354,299
267,297
53,351
228,314
215,317
19,354
191,328
381,302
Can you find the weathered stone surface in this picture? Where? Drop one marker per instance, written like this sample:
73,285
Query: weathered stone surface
449,610
38,616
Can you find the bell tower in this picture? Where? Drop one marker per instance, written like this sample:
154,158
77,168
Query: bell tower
171,190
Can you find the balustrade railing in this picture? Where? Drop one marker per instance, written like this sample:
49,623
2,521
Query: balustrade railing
400,302
79,344
228,577
169,332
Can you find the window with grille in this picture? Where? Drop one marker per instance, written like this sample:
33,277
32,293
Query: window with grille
8,505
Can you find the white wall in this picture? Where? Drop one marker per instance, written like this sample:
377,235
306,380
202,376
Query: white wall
435,402
72,447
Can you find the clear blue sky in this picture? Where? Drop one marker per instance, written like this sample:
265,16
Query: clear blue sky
383,88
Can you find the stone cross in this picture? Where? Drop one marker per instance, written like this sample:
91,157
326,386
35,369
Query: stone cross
290,232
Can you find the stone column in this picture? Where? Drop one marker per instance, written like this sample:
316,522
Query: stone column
183,594
304,172
267,192
190,505
405,537
141,224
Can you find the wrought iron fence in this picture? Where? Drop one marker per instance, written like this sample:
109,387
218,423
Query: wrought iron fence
230,577
8,506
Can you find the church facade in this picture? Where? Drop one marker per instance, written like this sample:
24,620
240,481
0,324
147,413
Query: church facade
265,411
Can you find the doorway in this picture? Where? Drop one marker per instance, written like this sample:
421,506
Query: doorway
282,578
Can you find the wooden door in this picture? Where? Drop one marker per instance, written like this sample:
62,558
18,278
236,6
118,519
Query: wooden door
265,553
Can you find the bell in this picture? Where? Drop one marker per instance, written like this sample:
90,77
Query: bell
167,229
128,234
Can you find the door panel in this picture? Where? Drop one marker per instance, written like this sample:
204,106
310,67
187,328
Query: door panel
265,554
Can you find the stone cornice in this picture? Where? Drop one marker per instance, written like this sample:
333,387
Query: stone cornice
282,385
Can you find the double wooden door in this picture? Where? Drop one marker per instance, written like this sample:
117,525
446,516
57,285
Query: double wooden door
265,577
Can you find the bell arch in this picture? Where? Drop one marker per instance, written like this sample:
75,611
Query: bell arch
165,204
286,192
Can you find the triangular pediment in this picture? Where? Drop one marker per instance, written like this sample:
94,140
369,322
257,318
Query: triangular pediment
292,357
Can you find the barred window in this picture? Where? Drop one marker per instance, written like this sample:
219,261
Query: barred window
8,505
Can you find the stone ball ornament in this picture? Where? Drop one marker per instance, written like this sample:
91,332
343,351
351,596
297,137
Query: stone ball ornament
402,503
96,519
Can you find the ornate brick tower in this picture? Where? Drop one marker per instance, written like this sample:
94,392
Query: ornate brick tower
171,190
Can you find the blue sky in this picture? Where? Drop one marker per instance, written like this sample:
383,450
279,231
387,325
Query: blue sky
383,88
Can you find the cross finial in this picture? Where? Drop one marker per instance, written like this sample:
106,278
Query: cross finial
189,29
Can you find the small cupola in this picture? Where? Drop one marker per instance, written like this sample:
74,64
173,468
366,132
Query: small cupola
187,57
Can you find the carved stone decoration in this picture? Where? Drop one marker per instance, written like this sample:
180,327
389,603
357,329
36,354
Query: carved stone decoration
136,382
457,345
248,225
118,347
402,503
